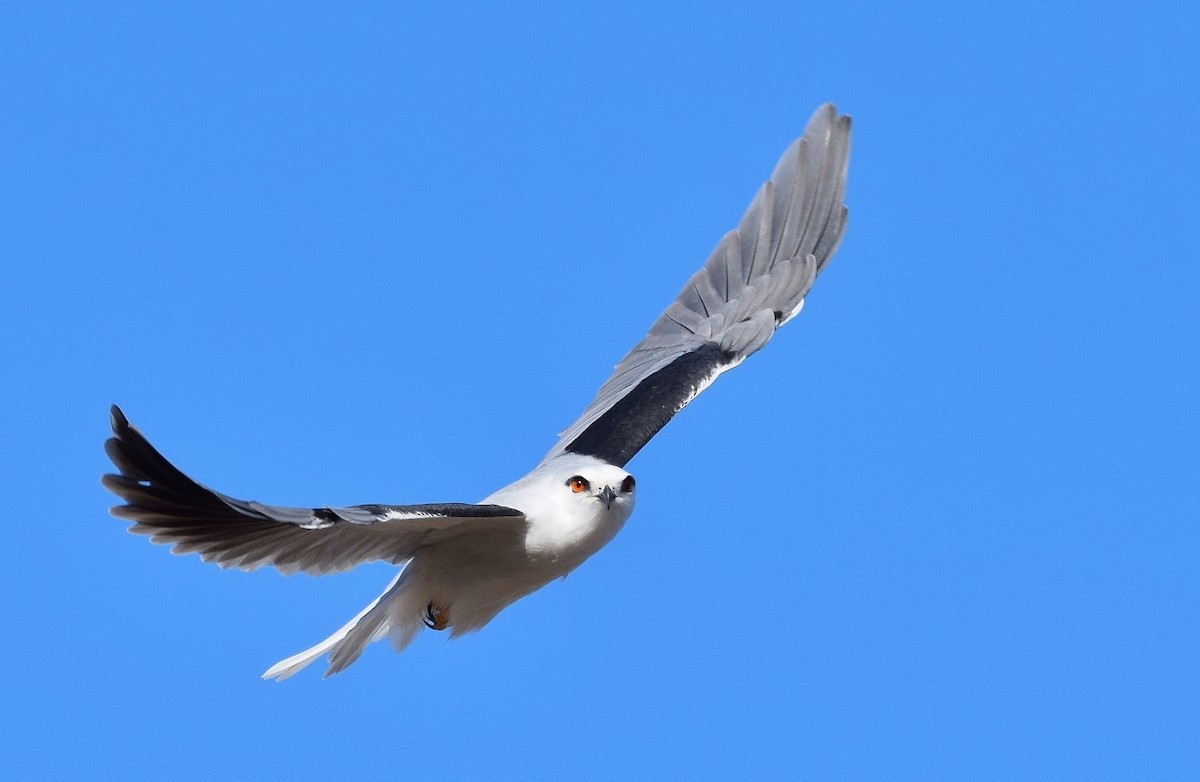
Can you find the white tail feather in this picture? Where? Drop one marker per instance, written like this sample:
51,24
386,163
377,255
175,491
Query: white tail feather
348,642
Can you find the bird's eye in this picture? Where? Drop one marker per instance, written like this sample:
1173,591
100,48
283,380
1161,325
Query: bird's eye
628,484
578,483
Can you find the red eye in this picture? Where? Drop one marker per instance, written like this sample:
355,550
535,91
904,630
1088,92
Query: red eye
628,484
578,483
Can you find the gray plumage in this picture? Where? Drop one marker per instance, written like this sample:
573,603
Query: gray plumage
754,282
172,508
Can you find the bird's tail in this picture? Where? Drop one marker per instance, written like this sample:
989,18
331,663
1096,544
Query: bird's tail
383,617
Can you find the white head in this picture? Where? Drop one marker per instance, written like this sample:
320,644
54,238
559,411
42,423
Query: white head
573,503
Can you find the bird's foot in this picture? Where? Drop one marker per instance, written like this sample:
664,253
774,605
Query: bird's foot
435,618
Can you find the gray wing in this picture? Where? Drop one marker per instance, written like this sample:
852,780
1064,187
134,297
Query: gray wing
754,282
172,508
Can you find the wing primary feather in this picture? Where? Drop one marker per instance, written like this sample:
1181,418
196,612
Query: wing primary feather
797,175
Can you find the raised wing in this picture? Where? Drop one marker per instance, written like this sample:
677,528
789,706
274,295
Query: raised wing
172,508
754,282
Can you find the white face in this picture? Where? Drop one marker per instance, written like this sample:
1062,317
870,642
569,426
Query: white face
574,505
610,486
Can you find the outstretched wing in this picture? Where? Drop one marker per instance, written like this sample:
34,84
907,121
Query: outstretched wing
172,508
753,283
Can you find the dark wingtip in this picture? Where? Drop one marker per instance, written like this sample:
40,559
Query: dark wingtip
118,448
135,458
116,454
117,419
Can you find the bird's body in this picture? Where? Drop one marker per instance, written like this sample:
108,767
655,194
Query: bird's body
464,563
463,582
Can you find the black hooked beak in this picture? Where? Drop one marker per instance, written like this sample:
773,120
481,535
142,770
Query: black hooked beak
607,496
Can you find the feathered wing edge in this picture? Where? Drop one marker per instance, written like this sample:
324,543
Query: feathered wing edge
754,282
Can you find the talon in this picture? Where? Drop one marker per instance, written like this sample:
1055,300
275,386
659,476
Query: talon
435,618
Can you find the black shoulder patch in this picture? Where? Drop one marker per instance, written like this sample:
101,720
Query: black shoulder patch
630,423
456,510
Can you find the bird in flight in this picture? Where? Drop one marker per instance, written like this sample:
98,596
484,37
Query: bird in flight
461,563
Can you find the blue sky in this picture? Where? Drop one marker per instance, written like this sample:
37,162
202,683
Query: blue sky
944,526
